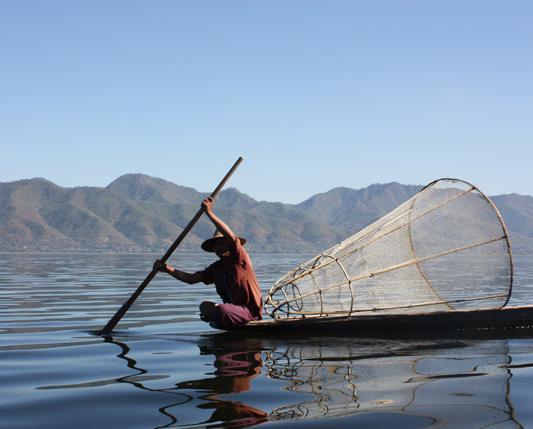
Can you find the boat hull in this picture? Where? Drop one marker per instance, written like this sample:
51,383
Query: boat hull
518,318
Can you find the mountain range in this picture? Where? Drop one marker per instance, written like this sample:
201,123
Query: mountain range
138,213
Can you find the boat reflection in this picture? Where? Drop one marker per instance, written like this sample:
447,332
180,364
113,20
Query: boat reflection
457,383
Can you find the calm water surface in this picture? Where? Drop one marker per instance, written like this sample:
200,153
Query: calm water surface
164,368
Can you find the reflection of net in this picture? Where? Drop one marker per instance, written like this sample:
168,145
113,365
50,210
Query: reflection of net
446,248
466,387
339,398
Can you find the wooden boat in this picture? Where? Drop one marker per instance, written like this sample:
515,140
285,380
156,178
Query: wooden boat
440,263
515,318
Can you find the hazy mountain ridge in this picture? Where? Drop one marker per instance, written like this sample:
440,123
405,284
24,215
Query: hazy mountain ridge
348,210
136,213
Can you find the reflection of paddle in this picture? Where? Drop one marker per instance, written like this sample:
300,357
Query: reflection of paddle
125,307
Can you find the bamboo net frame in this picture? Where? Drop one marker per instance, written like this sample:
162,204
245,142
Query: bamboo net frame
445,248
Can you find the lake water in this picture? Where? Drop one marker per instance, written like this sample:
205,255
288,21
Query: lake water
164,368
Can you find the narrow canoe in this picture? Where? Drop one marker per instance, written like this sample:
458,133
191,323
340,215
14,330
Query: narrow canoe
518,318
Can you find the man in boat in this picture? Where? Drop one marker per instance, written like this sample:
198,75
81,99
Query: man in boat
233,276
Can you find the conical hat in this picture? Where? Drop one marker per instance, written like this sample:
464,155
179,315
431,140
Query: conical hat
208,244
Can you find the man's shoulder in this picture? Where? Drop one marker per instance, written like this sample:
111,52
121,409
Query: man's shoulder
238,249
214,265
240,256
210,272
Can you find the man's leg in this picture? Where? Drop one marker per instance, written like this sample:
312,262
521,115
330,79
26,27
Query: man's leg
227,316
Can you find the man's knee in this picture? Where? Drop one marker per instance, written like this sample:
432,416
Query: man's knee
207,310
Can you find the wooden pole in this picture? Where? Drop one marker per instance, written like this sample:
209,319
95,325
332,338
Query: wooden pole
125,307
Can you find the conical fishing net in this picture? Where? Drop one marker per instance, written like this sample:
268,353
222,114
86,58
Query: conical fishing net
446,248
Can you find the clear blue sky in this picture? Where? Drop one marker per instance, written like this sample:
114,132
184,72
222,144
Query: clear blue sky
314,94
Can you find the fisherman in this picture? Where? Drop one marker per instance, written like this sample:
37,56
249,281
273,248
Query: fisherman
233,276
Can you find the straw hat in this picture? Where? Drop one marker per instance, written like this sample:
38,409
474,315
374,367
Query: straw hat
208,244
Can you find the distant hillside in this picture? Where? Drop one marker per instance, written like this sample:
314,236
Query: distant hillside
139,187
348,210
141,213
517,210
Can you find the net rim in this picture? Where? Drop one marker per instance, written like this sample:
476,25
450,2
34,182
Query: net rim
500,218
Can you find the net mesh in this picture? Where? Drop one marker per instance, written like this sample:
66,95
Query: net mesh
444,249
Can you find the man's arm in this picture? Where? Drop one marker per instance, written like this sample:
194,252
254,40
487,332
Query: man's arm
180,275
226,231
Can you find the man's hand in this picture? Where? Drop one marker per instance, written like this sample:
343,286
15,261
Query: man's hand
160,266
207,204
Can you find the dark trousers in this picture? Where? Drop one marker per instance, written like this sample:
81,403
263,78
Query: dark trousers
229,316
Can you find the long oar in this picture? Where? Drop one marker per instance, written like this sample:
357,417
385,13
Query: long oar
125,307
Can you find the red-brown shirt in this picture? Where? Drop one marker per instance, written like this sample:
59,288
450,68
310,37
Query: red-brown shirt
235,280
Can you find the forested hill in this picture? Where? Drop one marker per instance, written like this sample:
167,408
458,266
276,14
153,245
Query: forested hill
141,213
